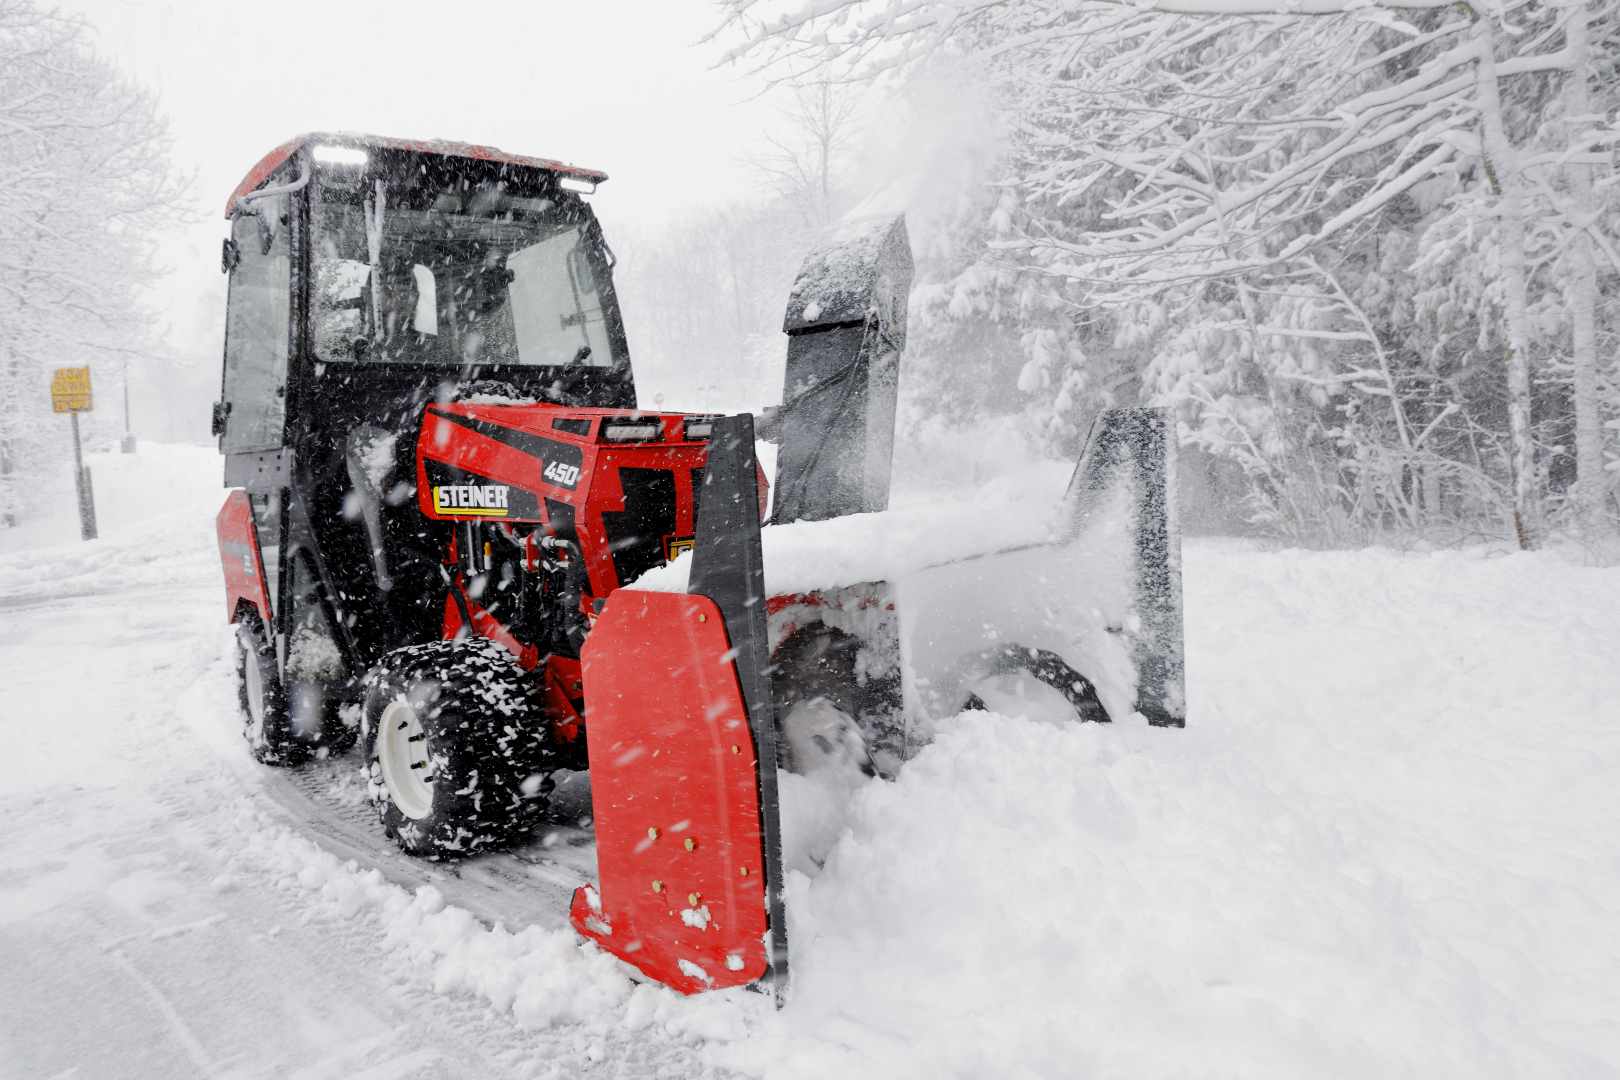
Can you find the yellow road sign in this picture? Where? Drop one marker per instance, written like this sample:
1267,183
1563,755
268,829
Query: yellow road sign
70,389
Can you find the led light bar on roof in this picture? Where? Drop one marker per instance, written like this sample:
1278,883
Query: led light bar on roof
339,155
355,143
580,184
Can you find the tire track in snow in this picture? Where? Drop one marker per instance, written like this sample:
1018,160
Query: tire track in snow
257,952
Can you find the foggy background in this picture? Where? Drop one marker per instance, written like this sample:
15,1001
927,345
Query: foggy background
1369,264
621,87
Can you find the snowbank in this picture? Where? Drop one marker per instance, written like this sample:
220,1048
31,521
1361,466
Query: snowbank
1383,846
154,510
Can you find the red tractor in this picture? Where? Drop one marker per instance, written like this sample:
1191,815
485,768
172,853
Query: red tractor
442,487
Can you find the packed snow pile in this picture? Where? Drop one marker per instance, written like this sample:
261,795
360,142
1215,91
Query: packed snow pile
1383,845
807,555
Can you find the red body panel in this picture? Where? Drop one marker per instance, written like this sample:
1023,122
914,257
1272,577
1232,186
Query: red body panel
512,454
675,782
565,689
514,446
240,557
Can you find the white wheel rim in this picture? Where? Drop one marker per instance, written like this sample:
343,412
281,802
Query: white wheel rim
254,679
402,753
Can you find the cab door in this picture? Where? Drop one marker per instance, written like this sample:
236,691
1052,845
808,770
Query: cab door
258,318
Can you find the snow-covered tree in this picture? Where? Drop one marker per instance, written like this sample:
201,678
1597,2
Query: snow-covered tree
808,148
85,183
704,295
1349,242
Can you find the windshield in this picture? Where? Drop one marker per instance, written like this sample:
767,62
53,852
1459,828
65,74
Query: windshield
425,264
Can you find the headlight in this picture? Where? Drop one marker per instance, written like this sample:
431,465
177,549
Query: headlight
630,430
698,427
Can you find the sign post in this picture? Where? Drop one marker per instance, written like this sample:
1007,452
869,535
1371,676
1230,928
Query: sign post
128,445
70,393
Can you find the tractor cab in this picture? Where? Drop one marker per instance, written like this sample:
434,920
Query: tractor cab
362,269
371,278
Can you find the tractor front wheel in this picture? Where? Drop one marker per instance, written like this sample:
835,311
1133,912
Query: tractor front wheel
456,751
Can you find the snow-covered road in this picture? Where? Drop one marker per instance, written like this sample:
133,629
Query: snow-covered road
158,916
1385,845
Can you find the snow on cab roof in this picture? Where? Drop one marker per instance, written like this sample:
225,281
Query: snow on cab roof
277,157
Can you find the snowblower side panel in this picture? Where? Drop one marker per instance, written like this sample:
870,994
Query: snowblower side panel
241,558
1099,604
1134,450
675,793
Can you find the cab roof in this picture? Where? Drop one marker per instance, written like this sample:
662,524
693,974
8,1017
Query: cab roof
279,156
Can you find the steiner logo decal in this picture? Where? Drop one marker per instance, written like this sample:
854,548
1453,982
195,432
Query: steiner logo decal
471,500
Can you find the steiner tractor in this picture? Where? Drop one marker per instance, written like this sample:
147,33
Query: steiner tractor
452,536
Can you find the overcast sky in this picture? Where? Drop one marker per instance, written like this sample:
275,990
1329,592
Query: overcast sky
618,85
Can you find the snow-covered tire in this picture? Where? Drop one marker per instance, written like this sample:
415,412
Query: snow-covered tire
313,692
272,706
1047,668
456,751
825,715
265,723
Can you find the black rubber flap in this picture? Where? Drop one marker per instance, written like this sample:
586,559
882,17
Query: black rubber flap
728,568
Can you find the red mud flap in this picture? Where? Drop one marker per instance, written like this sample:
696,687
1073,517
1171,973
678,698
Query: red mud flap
240,557
682,748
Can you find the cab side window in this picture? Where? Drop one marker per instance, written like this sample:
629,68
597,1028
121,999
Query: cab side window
256,327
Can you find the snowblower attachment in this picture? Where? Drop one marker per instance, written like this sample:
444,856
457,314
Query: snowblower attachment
683,756
1102,597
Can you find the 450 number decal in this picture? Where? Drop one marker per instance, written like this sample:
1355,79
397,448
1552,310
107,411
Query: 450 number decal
558,473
